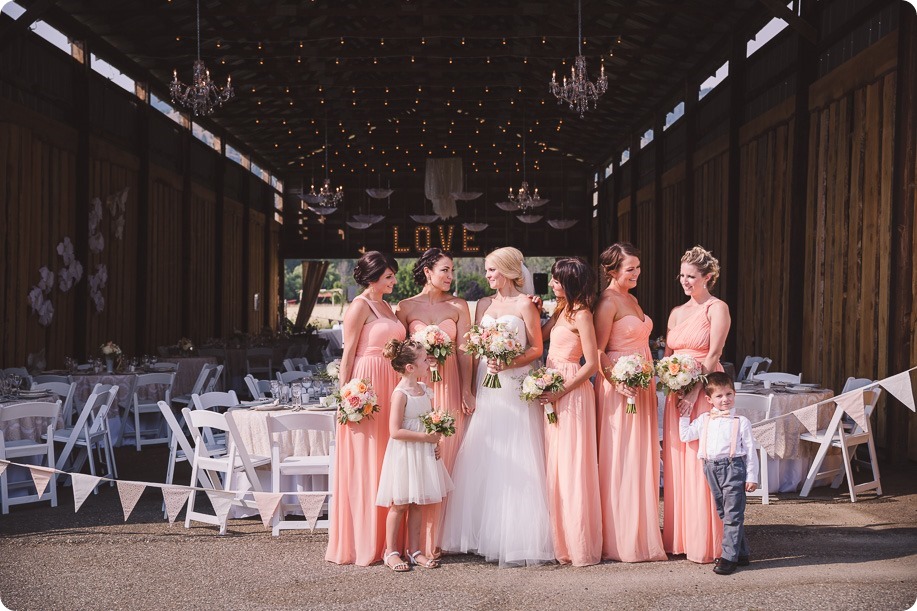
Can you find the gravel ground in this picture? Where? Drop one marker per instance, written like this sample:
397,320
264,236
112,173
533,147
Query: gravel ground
817,553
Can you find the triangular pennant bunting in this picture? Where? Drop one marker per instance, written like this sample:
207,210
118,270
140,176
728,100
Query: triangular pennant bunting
174,498
82,485
900,387
130,493
765,434
3,465
221,501
41,476
808,417
852,404
311,503
267,505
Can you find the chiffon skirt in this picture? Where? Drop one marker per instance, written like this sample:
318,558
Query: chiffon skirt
411,473
357,531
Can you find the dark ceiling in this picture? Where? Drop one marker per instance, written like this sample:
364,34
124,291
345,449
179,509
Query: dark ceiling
399,81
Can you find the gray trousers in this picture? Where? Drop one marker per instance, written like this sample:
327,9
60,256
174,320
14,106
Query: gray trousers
726,478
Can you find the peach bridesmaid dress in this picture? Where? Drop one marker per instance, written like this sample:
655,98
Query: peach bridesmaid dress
629,456
570,459
357,531
691,525
448,394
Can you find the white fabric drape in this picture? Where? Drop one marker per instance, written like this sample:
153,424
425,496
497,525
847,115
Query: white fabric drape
443,178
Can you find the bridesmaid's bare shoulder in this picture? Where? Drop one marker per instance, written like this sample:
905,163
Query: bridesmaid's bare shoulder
481,307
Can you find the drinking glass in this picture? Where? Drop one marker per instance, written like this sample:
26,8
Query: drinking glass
296,391
275,390
15,381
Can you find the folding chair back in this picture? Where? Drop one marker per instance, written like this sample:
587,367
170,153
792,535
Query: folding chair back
288,377
757,408
257,388
775,376
64,392
27,447
90,432
750,365
854,383
152,387
259,360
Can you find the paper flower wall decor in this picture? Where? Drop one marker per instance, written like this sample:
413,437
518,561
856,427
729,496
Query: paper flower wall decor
41,306
65,250
47,280
97,282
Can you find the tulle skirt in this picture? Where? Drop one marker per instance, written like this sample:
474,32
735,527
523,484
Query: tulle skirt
411,473
499,509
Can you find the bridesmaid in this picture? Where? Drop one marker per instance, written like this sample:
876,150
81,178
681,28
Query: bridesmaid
697,328
570,444
628,443
357,531
434,305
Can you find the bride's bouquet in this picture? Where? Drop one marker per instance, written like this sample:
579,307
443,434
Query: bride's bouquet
634,371
356,400
678,373
497,342
540,381
438,344
439,421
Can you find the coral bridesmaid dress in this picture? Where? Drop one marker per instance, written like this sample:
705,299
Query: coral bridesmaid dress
570,459
691,525
446,394
629,456
357,531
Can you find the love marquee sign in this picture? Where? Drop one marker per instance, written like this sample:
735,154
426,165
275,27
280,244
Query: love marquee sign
451,238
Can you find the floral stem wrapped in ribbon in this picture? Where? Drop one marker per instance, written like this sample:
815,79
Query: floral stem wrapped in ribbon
633,371
438,344
439,421
540,381
678,373
356,400
494,342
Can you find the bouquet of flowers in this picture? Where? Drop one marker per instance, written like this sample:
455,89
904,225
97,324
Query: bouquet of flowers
333,369
678,373
356,400
110,349
438,344
439,421
634,371
497,342
540,381
185,345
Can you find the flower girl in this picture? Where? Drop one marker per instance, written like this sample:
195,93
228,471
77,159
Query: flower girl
412,473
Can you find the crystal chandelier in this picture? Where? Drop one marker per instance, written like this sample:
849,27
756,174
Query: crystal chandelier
327,199
525,199
202,96
579,91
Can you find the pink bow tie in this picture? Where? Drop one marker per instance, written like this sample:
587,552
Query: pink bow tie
715,413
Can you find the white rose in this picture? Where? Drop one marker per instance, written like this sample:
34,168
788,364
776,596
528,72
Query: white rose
683,379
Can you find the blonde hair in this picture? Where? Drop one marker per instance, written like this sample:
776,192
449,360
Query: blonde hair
704,261
508,261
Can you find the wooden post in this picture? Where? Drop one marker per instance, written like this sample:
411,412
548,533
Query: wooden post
81,119
806,64
659,274
733,194
185,256
246,300
218,227
143,222
634,164
687,230
901,302
270,254
614,194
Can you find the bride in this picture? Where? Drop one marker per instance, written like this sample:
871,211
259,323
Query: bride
498,508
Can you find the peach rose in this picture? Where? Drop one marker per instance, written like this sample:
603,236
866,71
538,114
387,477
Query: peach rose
674,368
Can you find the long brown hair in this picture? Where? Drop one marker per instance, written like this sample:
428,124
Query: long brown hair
578,280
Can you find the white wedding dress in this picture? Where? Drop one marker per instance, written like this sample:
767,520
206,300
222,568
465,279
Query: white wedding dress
498,508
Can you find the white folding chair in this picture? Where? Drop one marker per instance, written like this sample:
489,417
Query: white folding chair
288,365
90,433
214,401
836,436
299,465
44,378
288,377
205,380
853,383
64,392
775,376
152,386
752,365
259,361
757,408
26,447
218,466
258,389
180,447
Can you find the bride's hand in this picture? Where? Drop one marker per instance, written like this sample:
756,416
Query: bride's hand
495,366
468,402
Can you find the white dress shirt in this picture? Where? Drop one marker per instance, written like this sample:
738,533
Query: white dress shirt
719,440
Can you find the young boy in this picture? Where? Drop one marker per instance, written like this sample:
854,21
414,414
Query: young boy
730,464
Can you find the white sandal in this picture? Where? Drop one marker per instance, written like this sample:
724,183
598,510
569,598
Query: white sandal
400,567
429,564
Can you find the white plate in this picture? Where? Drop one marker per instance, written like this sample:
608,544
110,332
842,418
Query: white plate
33,394
268,407
319,408
255,402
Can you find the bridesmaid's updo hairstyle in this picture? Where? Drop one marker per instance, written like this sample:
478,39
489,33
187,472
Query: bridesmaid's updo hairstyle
428,260
371,266
704,261
401,354
612,257
508,261
578,280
